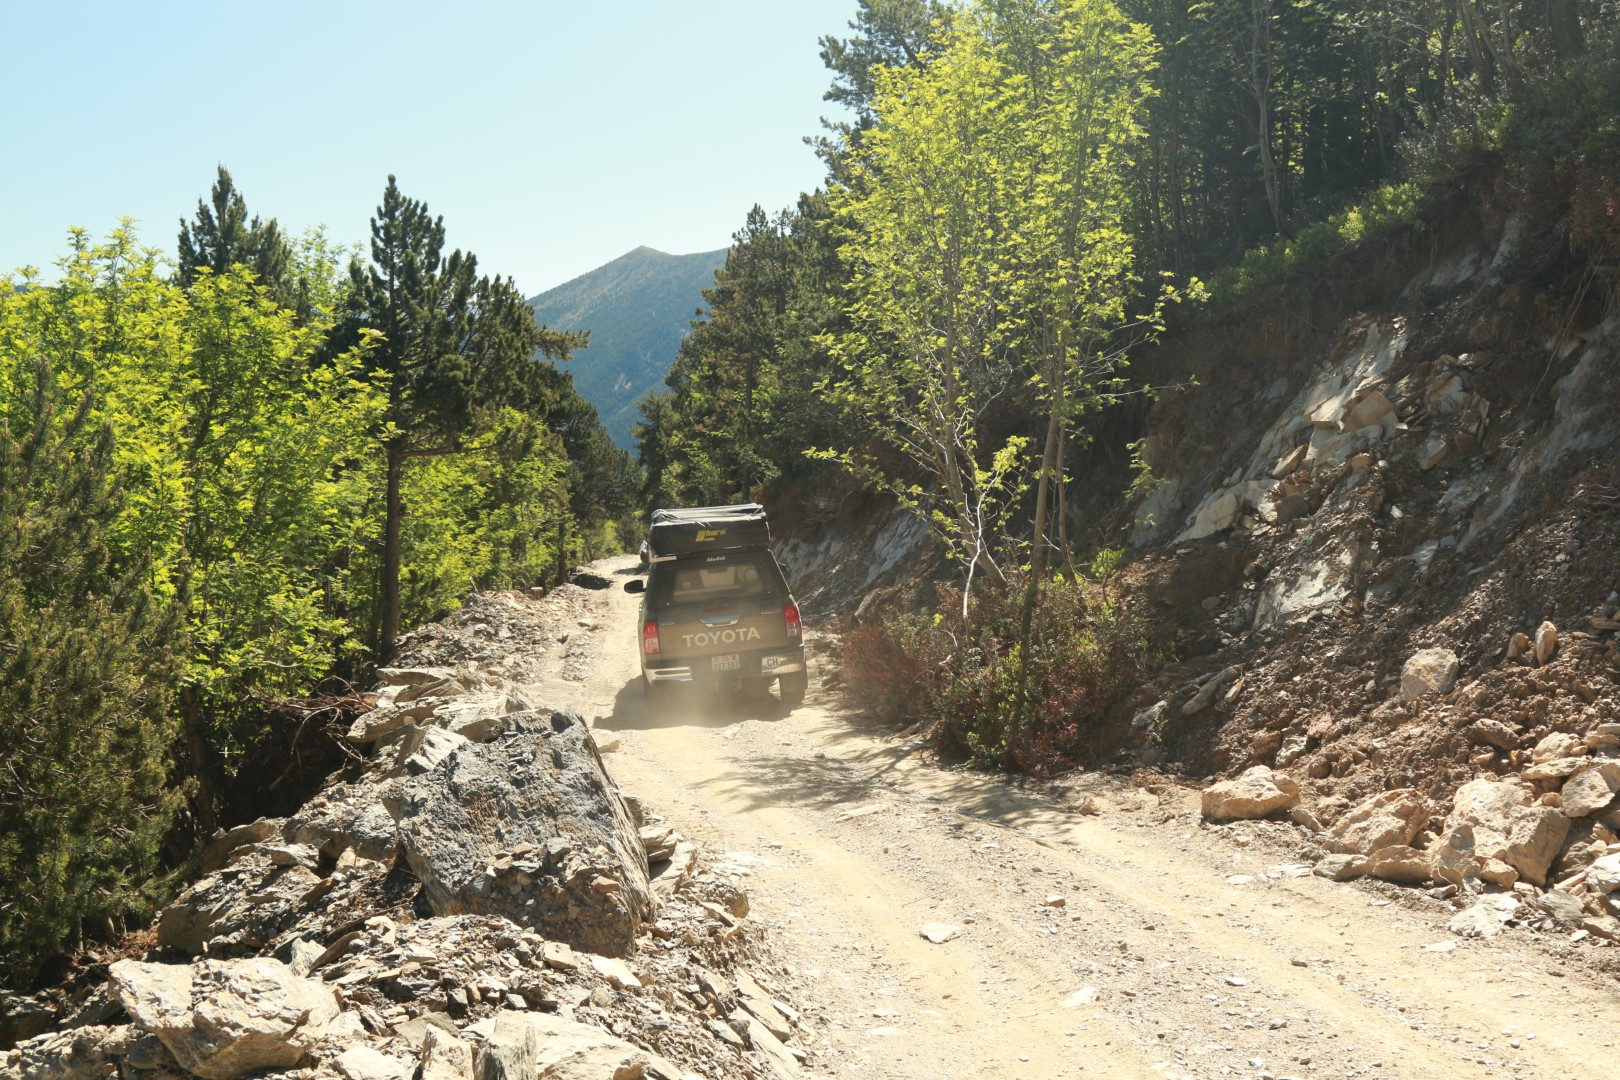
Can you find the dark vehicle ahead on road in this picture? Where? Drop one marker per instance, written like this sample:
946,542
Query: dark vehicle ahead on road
715,608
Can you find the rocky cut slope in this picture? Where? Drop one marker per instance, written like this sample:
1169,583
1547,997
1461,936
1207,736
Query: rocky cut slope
472,897
1387,541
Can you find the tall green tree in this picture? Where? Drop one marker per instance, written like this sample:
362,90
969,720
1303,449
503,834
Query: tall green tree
742,405
222,236
987,233
456,348
88,662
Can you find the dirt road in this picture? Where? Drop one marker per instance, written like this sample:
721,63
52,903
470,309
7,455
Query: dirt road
1104,930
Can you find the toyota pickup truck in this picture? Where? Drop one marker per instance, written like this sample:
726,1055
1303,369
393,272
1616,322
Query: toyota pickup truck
715,607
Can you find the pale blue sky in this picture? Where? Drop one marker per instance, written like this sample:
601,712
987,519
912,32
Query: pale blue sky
551,136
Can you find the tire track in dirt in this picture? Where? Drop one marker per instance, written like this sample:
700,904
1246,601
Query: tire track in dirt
1192,951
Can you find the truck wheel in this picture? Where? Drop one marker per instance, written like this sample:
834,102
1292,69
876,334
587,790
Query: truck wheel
793,686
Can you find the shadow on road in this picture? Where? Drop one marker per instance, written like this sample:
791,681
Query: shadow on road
687,706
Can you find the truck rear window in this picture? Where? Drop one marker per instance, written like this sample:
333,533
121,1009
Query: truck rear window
736,576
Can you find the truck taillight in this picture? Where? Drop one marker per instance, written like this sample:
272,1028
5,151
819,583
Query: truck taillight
790,615
649,637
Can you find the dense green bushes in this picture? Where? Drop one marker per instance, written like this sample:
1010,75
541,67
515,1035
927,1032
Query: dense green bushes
193,484
88,664
983,690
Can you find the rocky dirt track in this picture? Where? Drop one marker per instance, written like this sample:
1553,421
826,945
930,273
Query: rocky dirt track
1092,928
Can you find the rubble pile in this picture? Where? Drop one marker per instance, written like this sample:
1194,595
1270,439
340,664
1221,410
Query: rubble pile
1539,847
473,898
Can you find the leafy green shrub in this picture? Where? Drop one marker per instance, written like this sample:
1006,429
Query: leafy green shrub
1039,705
1316,245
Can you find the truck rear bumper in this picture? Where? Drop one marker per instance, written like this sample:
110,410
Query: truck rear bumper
764,664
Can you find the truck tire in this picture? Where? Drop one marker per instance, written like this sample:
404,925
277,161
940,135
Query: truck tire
793,686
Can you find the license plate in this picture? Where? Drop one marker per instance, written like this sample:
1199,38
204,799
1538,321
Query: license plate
726,662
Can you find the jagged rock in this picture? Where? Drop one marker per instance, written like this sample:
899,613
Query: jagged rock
1602,737
1428,671
223,845
1495,871
445,1057
546,787
1559,744
1562,907
1386,819
479,717
1485,918
1399,863
658,841
1451,858
561,1050
509,1046
81,1053
1506,827
1290,461
1494,733
760,1038
1556,769
1205,697
1257,793
1603,876
367,1063
386,720
1546,642
677,871
1221,512
238,909
1341,867
1370,408
346,817
414,676
22,1018
1435,450
1518,645
422,749
222,1019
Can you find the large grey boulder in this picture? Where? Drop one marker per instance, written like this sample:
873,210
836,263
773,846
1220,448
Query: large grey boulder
222,1019
529,826
1508,828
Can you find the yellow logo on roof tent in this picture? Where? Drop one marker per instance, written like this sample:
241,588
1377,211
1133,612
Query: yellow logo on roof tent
706,535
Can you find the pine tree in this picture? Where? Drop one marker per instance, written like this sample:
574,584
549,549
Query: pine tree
457,348
222,236
87,662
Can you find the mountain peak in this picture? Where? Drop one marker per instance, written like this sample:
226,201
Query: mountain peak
638,308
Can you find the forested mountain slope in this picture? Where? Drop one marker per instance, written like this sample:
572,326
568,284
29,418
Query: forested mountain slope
637,308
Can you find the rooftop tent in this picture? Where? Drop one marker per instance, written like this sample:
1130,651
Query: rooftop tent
701,529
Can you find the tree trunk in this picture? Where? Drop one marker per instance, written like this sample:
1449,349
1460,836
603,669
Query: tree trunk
393,520
562,551
1564,17
1260,75
205,797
